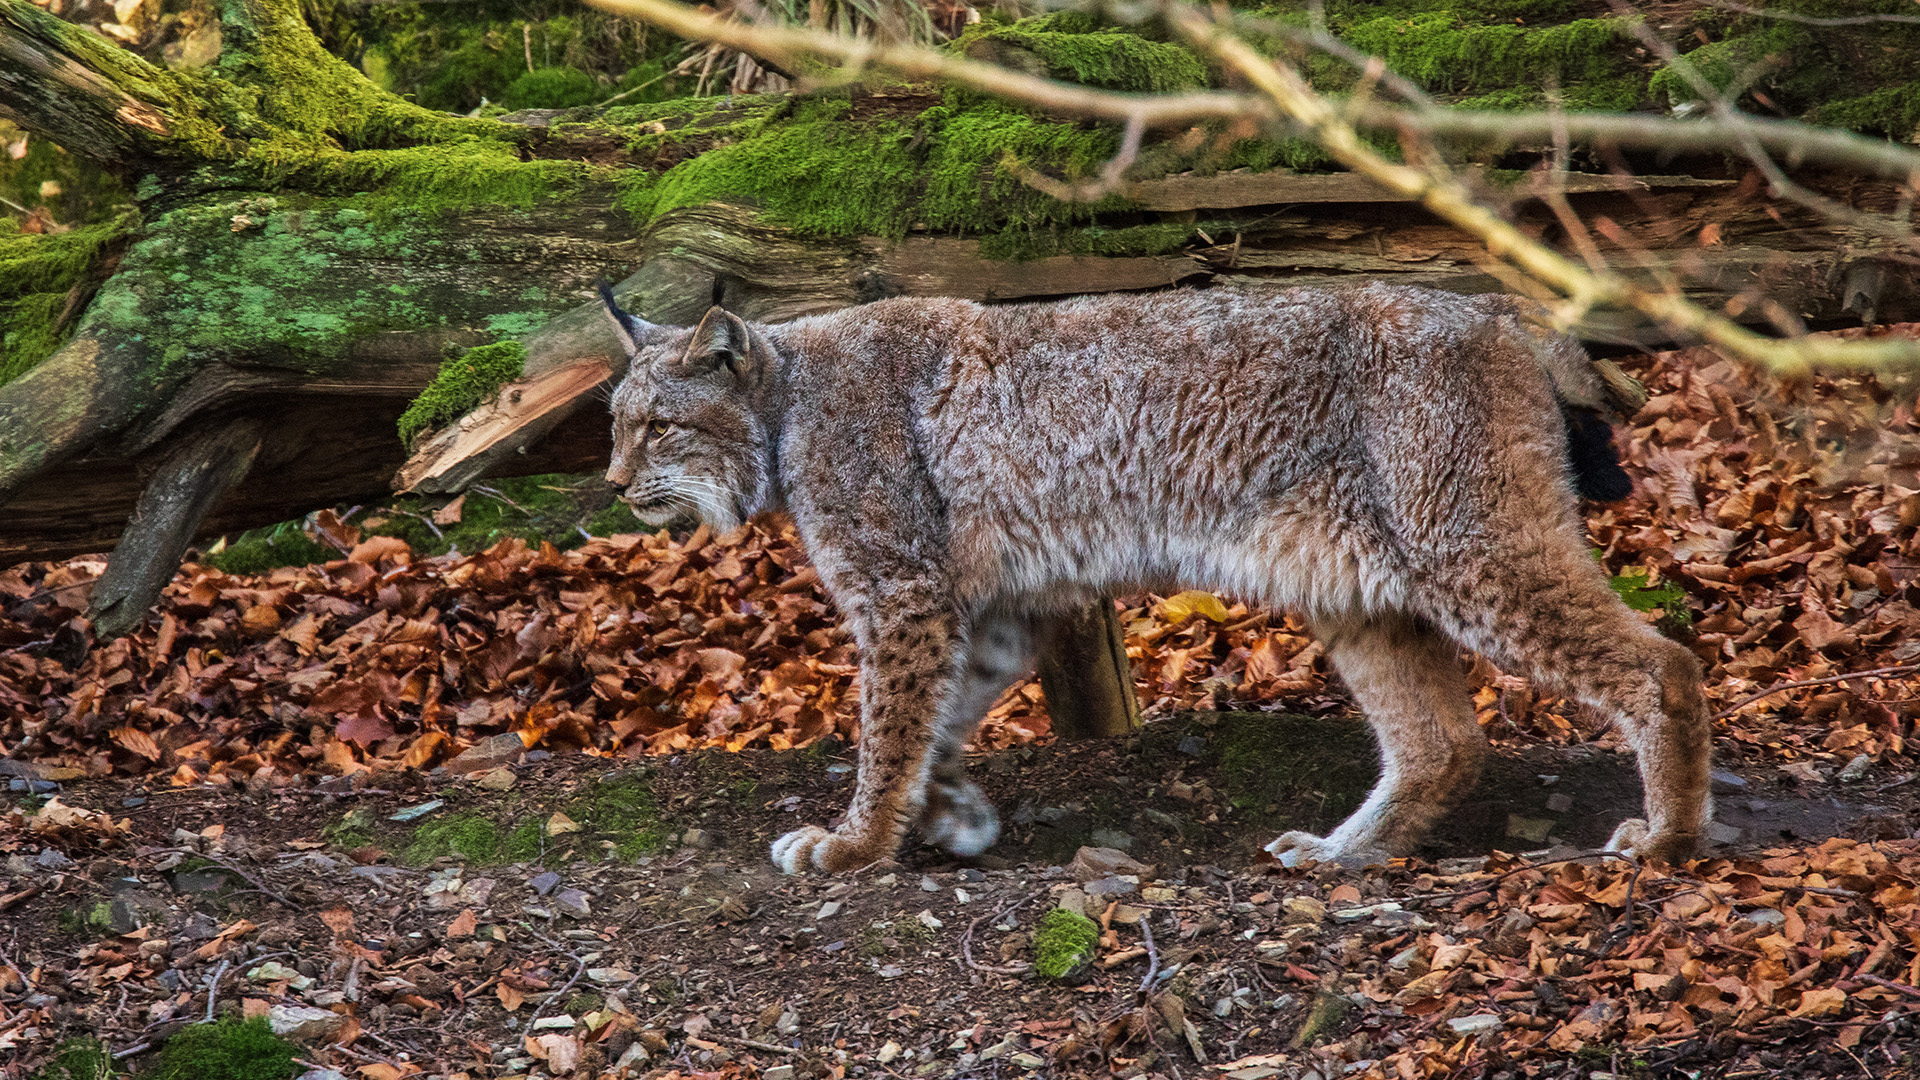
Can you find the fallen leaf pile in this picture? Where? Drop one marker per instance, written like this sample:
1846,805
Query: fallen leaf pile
1786,511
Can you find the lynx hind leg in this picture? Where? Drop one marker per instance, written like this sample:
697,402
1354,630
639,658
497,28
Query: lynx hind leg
958,817
1549,613
1407,679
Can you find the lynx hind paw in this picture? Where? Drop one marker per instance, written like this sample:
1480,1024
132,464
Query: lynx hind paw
960,819
801,849
1296,848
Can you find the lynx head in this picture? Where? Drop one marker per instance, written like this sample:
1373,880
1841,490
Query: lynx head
688,440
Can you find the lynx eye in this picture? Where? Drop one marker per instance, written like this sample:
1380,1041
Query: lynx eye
658,427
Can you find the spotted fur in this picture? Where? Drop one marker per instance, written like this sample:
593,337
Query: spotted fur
1390,462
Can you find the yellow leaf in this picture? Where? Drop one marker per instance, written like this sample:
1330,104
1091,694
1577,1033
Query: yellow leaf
560,824
1184,606
1824,1002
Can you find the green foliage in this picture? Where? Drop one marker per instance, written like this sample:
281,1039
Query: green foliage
37,271
1733,61
1667,598
226,1050
264,549
1893,111
622,810
972,183
84,1058
552,88
1063,942
464,382
354,830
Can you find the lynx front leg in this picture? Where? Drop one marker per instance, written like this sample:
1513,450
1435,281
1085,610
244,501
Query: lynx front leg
907,662
958,816
1407,679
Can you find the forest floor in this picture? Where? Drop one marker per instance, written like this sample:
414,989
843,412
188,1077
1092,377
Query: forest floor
569,916
506,812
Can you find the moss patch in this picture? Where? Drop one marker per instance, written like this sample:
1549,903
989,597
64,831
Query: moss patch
37,275
84,1058
623,811
472,837
1063,942
466,380
1667,598
226,1050
1295,773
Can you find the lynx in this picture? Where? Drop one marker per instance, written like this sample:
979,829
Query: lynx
1391,463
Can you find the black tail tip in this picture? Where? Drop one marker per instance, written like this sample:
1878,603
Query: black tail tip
1595,462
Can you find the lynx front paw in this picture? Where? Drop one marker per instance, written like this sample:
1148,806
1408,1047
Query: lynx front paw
812,847
1295,848
960,819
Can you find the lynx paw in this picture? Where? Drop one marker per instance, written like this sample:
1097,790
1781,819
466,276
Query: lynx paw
1295,848
1635,837
812,847
960,819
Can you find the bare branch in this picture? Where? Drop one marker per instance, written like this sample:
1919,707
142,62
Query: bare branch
1285,95
1813,20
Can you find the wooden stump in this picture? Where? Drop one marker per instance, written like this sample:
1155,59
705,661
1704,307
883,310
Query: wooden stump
1085,674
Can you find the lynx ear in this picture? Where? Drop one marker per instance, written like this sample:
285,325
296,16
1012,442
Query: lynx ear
633,329
720,341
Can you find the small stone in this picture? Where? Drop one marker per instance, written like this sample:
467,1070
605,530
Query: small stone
321,1074
1118,839
425,808
304,1022
1475,1024
778,1072
1127,914
1027,1060
1193,746
1719,832
51,859
888,880
607,976
498,779
1727,783
542,884
928,920
970,874
1856,770
1765,917
1090,863
1403,920
963,896
1072,900
1526,828
1223,1008
696,838
1404,959
927,884
1117,885
572,902
1356,914
888,1053
489,753
1559,802
562,1022
828,910
1304,909
1159,894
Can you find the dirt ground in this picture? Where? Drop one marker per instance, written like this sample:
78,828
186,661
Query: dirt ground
576,916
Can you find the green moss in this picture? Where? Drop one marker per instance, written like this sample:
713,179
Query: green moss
582,1003
84,1058
1070,48
471,837
552,88
813,172
37,273
973,178
75,190
1063,942
1743,59
1667,598
1439,51
1893,111
353,831
226,1050
624,811
527,842
464,381
1292,772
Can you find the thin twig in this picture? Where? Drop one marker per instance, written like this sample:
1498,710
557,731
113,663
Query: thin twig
966,941
213,986
751,1044
1153,955
1891,985
1898,669
258,885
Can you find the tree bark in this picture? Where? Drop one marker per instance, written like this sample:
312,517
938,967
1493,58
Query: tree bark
191,478
1085,674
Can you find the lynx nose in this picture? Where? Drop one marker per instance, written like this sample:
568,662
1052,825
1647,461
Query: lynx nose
619,474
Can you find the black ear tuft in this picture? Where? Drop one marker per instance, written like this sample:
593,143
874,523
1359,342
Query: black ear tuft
631,327
719,292
1597,474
